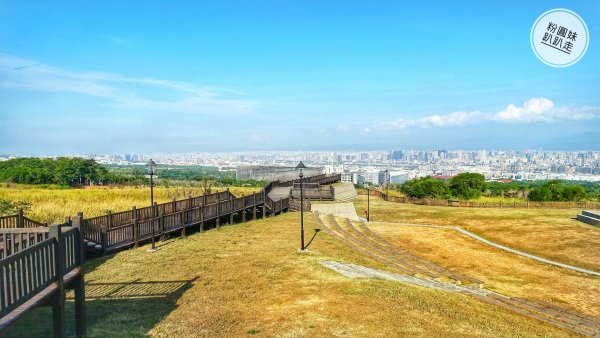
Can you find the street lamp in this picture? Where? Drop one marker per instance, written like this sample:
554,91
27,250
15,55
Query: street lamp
150,166
368,204
300,167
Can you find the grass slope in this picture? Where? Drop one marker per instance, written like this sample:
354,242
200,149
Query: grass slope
249,278
550,233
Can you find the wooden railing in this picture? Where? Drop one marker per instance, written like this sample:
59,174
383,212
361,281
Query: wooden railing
18,221
37,264
483,204
114,231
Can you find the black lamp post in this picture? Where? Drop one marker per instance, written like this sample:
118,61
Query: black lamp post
368,204
150,166
300,167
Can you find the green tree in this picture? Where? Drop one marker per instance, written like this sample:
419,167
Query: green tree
574,193
467,185
10,208
426,187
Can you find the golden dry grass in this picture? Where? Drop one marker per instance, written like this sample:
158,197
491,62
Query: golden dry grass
550,233
250,278
52,205
501,271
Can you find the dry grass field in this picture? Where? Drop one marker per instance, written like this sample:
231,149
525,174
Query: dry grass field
52,205
249,278
550,233
501,271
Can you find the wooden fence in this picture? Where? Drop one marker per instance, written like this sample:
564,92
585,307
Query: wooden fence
18,221
37,265
482,204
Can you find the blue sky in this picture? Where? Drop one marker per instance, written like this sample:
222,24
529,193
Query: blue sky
130,77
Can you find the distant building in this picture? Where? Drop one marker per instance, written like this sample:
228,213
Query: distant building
398,177
383,177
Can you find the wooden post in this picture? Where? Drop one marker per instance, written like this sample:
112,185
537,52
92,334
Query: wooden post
103,239
174,205
230,209
58,303
80,317
20,220
189,213
182,220
264,207
202,210
136,227
110,220
161,224
254,207
218,212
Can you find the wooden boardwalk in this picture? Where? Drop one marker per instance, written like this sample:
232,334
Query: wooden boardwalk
116,231
37,265
39,262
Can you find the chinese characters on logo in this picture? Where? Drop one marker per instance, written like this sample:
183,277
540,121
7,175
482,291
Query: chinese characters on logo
559,37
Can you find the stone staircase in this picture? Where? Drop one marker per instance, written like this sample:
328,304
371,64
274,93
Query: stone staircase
590,217
344,192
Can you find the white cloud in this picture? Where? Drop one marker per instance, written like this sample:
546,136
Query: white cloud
453,119
533,110
121,91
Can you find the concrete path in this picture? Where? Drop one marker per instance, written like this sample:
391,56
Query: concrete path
279,193
344,210
359,271
502,247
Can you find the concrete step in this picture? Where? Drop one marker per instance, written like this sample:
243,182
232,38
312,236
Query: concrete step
591,213
588,219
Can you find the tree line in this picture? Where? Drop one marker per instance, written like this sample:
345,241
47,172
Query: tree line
61,171
473,185
76,171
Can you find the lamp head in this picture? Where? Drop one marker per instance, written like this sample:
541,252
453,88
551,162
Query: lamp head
150,165
300,167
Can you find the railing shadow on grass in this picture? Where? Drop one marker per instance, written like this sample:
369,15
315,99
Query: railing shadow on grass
125,309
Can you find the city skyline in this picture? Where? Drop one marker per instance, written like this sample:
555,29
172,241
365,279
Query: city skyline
288,76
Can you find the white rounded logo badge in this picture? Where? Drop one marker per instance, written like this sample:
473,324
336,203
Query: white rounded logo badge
559,38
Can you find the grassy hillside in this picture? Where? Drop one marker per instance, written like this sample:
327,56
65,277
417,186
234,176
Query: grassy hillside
250,279
52,205
550,233
501,271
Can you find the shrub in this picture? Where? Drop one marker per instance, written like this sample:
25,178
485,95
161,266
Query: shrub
425,187
467,185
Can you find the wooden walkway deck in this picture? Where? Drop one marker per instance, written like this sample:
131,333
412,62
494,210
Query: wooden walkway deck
37,265
39,262
116,231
